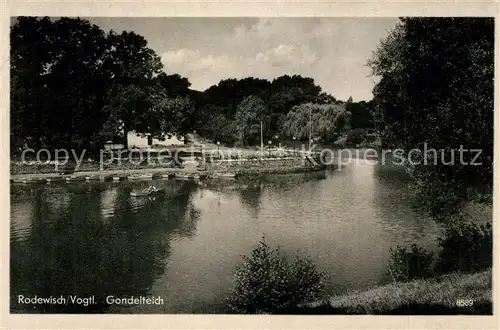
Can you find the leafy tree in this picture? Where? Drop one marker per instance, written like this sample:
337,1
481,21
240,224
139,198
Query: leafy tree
325,98
57,82
127,108
223,129
436,87
133,66
361,116
326,120
170,115
251,112
29,57
174,84
287,92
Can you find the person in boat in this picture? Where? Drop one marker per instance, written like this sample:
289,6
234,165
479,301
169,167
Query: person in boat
150,189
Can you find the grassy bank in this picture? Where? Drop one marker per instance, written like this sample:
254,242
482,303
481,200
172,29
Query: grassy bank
434,296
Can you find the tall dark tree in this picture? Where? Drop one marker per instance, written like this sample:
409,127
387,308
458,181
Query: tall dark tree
134,66
247,122
30,56
174,84
57,82
436,88
287,92
170,115
361,114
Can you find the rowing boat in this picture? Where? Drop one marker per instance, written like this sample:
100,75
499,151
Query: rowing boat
75,178
55,179
146,193
35,180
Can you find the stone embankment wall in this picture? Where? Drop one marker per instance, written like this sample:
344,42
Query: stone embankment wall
264,166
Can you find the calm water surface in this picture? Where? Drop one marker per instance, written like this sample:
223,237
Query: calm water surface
94,239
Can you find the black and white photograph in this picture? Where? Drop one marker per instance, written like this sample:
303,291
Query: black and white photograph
251,165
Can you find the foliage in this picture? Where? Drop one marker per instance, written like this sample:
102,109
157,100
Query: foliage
407,265
355,137
466,247
74,86
268,281
287,92
251,111
361,114
57,82
326,120
170,115
221,129
325,98
133,65
436,87
278,97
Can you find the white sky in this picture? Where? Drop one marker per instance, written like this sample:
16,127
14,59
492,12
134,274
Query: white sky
333,51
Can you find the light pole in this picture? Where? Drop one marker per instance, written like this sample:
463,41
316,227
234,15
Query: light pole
218,154
310,127
261,141
269,142
294,145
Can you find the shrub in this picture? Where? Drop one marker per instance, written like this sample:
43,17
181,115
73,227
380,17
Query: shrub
466,247
407,265
267,281
355,136
340,143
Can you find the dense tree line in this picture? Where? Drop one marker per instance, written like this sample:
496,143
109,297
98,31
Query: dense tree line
436,88
282,105
74,85
224,109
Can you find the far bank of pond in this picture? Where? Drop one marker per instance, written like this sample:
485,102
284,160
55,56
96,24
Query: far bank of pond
229,168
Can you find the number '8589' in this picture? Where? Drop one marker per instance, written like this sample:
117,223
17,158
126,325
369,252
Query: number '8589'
465,302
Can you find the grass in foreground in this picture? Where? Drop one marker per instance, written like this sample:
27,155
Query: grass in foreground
435,296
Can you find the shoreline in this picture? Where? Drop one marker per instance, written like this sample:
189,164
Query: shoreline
190,171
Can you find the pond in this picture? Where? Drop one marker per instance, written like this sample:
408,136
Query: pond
94,239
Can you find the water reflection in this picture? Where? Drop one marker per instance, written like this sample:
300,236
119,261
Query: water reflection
250,196
73,250
391,183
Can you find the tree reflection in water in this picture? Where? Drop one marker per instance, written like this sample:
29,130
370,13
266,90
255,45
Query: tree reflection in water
73,251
